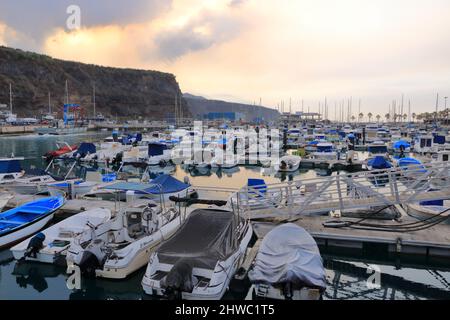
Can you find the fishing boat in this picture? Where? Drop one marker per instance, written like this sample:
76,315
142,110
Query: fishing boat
51,244
288,266
289,163
199,261
10,169
25,220
120,246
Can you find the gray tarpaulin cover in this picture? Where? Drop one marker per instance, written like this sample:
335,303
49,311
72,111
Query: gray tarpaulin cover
206,237
288,254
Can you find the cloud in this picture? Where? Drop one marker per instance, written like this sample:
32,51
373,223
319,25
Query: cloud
202,31
39,19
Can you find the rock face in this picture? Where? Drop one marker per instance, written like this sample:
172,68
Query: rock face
200,106
126,93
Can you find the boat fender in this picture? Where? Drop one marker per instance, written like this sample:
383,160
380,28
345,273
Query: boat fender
34,246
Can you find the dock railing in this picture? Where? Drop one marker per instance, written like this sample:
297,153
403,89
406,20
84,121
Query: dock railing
345,191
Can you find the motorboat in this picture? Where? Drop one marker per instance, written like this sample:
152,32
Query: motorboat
27,219
200,259
10,169
289,163
288,266
63,148
324,151
51,244
120,246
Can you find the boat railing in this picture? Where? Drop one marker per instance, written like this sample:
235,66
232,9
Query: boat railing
344,191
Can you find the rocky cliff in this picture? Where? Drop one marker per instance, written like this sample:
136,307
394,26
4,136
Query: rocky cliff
200,106
119,92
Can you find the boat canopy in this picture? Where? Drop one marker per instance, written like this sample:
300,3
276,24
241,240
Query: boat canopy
164,183
156,149
85,149
288,254
10,166
207,236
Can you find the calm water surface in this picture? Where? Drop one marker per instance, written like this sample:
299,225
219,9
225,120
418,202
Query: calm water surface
346,274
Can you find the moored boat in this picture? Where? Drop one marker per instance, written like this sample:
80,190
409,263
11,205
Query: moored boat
25,220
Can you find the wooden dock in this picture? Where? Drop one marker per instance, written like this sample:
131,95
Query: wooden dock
431,242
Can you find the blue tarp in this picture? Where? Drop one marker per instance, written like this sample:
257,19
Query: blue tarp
379,163
156,149
10,166
85,148
406,162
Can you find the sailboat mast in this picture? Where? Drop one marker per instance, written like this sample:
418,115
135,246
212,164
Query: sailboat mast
95,114
10,98
49,104
67,93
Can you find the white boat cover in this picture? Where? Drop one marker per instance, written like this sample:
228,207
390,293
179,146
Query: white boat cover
288,254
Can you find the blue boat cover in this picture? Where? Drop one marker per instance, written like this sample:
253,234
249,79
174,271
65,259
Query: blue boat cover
327,148
85,148
156,149
10,166
401,143
379,162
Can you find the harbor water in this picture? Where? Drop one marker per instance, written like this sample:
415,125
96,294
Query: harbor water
365,276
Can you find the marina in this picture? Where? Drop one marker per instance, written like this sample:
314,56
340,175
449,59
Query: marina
348,211
224,158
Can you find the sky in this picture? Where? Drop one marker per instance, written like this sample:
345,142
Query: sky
274,51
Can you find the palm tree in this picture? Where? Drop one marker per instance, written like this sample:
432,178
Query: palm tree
378,118
414,117
360,116
369,115
353,118
387,116
405,117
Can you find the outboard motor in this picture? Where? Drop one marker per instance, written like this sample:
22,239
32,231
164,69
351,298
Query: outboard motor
34,246
92,259
179,280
